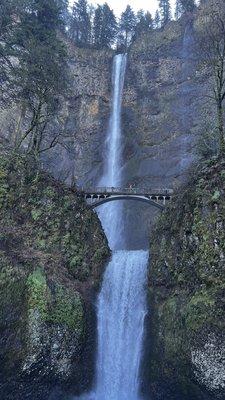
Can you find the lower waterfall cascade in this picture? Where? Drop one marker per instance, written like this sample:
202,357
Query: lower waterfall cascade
121,313
121,306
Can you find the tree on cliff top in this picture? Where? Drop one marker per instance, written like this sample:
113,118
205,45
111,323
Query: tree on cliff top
211,36
156,22
105,26
165,11
144,22
80,24
187,5
184,6
127,26
178,9
63,6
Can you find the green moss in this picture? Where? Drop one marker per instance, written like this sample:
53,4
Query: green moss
38,292
48,238
200,310
187,271
67,309
50,220
216,195
75,262
100,254
3,184
49,192
171,325
36,214
79,269
41,243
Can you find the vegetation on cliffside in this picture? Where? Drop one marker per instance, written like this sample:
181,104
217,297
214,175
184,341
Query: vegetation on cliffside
52,256
187,286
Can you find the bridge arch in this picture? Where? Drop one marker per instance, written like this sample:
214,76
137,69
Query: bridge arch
145,200
96,197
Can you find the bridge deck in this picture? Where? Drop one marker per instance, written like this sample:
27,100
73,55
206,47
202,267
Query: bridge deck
101,195
126,191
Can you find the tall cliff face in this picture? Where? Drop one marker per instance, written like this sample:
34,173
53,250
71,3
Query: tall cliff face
186,286
52,258
162,113
84,117
161,110
161,105
81,118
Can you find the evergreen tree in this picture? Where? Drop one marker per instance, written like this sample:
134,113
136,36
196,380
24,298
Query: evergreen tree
11,14
80,24
182,6
140,15
5,16
144,22
40,76
91,12
188,5
165,11
178,9
64,13
97,26
105,26
127,26
157,20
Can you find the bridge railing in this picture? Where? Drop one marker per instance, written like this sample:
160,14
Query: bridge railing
130,190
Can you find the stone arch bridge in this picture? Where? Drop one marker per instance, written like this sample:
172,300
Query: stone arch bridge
95,197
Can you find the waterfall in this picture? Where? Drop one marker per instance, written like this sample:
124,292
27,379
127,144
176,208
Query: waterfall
121,307
121,312
111,215
112,175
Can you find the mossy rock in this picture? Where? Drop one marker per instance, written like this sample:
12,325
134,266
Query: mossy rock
186,276
52,258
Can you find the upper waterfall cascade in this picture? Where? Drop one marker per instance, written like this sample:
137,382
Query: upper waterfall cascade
111,216
121,304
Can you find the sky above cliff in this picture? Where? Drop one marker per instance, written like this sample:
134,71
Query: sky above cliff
119,5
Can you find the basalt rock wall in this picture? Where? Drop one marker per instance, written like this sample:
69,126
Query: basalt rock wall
85,117
186,292
162,114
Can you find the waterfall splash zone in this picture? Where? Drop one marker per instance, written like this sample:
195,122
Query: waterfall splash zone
121,305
